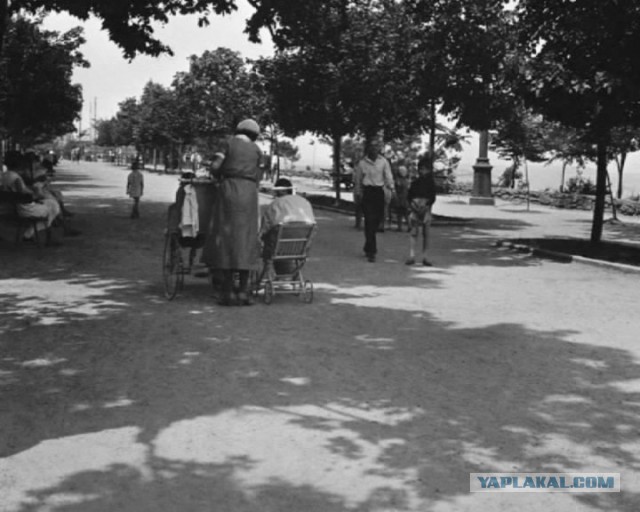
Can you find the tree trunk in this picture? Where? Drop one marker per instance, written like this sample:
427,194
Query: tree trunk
623,159
4,20
601,190
526,177
432,132
337,171
564,170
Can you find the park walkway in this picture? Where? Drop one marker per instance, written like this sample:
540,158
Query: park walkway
383,395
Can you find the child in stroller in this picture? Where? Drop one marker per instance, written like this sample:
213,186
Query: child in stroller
287,227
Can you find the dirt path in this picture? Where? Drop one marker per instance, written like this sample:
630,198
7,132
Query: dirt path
382,395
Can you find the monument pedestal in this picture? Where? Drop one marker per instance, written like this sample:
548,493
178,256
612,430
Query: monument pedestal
482,183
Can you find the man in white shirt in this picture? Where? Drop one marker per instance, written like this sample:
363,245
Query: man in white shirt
371,177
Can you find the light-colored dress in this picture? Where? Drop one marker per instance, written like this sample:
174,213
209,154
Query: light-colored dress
232,239
47,207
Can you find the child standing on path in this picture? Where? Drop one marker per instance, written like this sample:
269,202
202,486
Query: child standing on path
421,196
135,186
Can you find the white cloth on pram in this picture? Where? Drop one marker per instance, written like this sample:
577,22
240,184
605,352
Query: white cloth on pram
189,220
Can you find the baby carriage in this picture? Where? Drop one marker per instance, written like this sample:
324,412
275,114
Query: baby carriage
180,241
284,254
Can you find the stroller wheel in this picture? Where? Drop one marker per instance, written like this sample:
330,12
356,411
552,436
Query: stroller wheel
307,292
255,277
268,292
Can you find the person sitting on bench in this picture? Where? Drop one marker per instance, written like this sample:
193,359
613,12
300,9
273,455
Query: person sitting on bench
40,207
42,189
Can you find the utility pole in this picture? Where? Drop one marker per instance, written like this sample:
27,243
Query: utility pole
95,118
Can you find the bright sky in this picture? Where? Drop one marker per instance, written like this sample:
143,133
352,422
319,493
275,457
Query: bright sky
111,78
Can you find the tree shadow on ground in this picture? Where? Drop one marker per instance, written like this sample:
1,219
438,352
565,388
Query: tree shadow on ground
334,417
116,399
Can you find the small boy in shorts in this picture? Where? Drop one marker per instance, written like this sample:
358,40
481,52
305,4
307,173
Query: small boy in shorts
421,196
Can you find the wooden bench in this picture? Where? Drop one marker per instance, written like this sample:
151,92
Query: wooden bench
22,223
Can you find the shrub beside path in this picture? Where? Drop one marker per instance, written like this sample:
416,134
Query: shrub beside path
384,394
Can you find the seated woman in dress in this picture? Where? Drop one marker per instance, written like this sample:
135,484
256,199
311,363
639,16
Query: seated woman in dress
40,207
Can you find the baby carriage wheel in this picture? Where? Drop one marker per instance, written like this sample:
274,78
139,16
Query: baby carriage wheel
268,292
172,266
254,282
307,292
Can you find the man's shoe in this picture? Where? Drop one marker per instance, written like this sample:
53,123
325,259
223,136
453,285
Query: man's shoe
371,258
410,261
427,263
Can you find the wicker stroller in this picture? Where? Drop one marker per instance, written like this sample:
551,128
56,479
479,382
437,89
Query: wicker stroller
285,251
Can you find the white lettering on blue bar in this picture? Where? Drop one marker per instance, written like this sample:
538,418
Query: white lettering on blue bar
544,482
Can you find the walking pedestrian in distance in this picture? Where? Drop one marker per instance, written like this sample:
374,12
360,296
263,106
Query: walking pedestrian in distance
135,187
372,176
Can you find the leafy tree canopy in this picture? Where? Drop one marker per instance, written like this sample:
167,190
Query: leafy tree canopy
522,136
219,90
39,100
128,23
583,68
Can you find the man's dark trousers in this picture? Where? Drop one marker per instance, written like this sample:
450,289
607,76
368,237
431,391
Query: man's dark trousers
373,211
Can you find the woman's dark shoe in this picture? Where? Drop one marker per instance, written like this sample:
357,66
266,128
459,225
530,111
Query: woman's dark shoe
226,300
